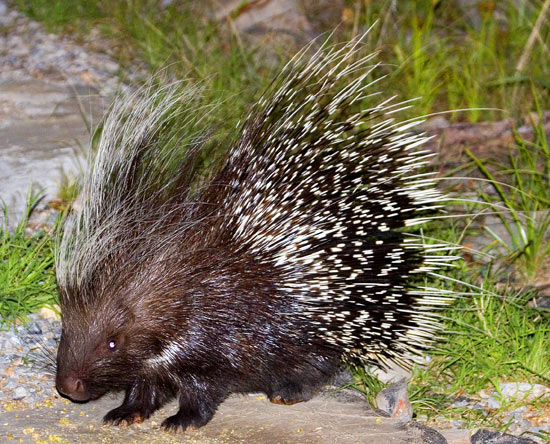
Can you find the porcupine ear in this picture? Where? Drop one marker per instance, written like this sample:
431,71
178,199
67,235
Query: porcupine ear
144,164
323,187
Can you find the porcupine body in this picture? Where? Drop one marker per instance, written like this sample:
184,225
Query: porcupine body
286,262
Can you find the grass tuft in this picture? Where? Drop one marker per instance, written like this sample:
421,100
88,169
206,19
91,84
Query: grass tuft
27,279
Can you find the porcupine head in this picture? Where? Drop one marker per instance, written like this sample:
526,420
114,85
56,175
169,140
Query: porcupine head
265,275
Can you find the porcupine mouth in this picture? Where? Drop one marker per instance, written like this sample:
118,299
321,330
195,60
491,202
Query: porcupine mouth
90,395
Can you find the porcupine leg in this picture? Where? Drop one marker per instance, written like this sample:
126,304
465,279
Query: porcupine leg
197,403
140,401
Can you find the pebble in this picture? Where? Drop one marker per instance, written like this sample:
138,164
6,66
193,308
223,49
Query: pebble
34,329
19,393
394,400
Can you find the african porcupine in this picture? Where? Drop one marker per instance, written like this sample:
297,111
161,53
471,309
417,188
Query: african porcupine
267,276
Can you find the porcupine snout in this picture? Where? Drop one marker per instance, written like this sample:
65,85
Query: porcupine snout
72,387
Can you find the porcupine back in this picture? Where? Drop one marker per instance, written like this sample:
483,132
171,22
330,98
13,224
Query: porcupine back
316,188
320,189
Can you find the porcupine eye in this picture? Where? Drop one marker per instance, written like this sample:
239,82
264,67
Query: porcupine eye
111,345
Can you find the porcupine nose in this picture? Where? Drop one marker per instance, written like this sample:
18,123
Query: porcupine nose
74,388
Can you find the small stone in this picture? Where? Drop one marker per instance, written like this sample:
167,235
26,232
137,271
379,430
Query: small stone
461,402
12,343
542,302
19,393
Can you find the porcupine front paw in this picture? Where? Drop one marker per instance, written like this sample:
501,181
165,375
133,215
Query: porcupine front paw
182,422
125,415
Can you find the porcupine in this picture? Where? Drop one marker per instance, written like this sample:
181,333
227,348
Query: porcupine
286,262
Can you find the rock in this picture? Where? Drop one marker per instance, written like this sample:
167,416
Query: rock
12,343
483,436
462,402
48,313
240,419
394,399
456,435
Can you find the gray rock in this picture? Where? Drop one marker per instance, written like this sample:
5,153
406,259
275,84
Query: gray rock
283,20
483,436
479,406
12,343
461,402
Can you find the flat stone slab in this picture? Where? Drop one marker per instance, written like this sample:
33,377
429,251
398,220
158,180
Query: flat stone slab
249,419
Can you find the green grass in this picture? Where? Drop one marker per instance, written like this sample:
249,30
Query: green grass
492,335
493,339
453,63
27,279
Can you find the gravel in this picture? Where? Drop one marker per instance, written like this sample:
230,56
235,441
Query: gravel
26,358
